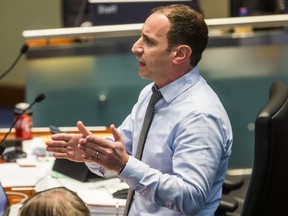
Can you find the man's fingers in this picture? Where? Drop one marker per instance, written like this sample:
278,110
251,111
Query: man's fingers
61,136
81,127
56,148
60,143
60,155
115,133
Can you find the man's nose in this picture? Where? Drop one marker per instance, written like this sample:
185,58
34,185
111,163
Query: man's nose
136,48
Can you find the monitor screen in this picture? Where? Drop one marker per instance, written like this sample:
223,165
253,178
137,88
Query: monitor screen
113,12
128,12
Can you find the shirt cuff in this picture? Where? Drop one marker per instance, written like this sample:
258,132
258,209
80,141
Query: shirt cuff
100,171
133,172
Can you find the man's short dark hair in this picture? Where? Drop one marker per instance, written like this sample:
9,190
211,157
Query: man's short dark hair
187,27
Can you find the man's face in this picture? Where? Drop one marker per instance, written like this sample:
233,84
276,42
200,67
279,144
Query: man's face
154,61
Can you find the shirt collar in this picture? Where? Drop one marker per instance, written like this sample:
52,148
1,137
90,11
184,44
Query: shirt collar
177,87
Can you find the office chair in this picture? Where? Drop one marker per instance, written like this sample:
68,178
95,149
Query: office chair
267,192
228,203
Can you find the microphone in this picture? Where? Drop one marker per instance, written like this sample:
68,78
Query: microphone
38,99
23,50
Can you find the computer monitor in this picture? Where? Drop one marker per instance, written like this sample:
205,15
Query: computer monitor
127,12
131,1
258,7
111,12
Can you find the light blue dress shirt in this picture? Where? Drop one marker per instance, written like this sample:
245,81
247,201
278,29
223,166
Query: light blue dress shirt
186,154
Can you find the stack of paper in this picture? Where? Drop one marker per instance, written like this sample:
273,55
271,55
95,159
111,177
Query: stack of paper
99,198
101,202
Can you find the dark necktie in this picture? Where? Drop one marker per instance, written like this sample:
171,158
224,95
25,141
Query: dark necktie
143,135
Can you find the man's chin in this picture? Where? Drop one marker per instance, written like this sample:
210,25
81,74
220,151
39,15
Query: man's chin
143,77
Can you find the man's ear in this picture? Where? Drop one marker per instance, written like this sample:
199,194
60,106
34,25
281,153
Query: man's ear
182,53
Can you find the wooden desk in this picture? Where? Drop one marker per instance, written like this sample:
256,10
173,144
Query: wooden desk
44,132
16,194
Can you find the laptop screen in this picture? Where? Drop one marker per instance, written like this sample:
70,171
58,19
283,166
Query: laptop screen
4,203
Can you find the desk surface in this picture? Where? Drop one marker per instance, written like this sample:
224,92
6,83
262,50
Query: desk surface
26,180
44,132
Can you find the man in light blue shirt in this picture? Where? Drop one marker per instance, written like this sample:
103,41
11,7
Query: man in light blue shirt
188,146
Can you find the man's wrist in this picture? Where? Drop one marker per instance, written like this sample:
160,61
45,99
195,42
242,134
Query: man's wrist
121,169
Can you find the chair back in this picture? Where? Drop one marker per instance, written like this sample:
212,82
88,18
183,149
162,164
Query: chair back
267,193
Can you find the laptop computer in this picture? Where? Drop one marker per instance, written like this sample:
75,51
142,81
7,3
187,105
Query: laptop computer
4,202
78,171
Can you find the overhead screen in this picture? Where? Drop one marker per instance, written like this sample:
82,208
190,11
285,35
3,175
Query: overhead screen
125,12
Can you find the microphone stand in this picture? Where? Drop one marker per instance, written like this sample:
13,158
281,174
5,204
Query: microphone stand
23,50
17,153
11,156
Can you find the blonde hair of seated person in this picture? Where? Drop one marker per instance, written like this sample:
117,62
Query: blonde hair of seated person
58,201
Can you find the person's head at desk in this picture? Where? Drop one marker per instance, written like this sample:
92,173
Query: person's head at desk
58,201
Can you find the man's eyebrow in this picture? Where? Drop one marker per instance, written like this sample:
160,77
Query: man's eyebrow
145,36
148,38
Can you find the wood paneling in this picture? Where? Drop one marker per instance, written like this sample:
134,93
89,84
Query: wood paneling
11,95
